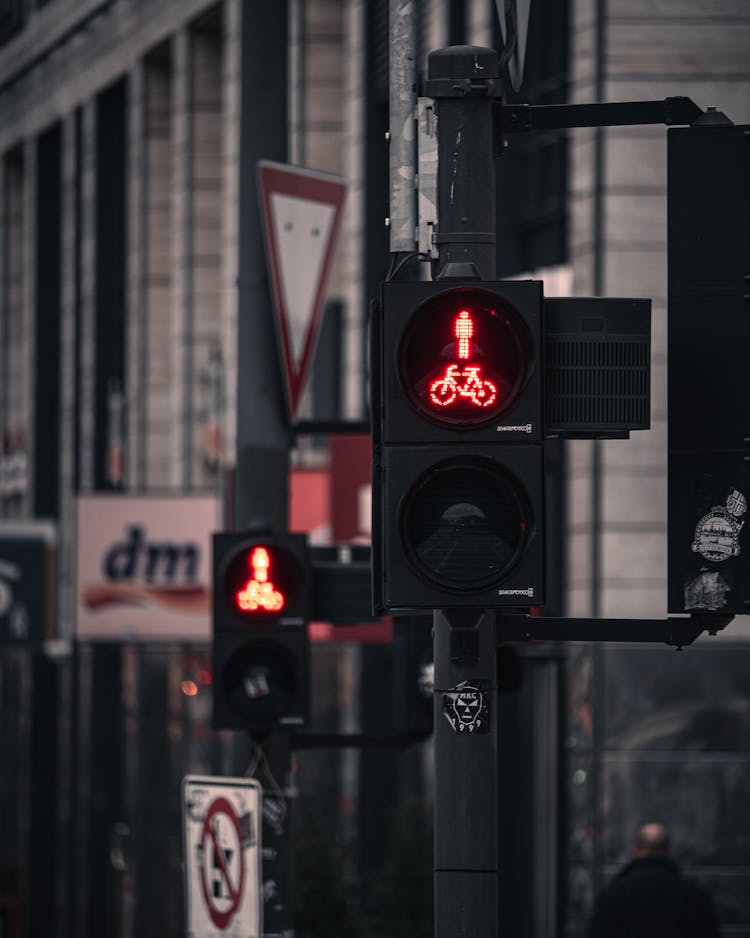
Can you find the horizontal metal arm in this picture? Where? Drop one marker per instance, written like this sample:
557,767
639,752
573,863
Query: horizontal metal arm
672,631
330,427
517,118
313,739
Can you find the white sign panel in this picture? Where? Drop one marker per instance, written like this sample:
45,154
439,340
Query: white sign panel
144,567
301,211
222,828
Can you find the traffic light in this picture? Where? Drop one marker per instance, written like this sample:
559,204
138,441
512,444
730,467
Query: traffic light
457,404
260,610
709,367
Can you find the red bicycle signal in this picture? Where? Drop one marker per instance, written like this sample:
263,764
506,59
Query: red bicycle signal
463,379
261,581
259,591
464,357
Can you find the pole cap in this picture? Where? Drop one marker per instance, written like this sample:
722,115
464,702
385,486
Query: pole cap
474,62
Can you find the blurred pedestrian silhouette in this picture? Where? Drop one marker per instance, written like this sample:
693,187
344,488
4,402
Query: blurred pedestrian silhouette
650,898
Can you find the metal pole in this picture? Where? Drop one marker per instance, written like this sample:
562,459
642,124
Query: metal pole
466,870
263,436
402,88
463,80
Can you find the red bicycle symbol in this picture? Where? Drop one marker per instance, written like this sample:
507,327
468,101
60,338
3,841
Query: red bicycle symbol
259,592
463,380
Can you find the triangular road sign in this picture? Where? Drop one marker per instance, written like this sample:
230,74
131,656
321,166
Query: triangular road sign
301,212
519,12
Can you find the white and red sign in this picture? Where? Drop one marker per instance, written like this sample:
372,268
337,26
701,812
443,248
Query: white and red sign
144,566
222,829
301,214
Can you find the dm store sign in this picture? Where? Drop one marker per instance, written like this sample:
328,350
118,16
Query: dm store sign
144,567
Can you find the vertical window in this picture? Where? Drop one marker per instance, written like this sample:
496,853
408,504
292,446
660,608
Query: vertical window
532,171
77,295
11,19
48,290
111,163
14,431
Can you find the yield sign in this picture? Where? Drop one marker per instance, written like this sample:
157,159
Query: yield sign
301,214
514,26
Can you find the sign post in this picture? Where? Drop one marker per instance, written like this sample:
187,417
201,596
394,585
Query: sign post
222,833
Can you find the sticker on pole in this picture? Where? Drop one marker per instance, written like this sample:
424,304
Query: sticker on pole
221,837
466,707
301,212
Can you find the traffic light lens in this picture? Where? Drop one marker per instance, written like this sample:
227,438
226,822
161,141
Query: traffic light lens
260,683
465,524
260,581
259,591
464,356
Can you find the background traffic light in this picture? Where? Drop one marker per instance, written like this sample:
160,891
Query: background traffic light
260,610
709,367
457,405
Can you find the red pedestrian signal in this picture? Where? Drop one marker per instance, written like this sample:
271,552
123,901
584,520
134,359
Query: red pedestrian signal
462,378
261,580
259,591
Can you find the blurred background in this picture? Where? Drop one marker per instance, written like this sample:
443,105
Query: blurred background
120,167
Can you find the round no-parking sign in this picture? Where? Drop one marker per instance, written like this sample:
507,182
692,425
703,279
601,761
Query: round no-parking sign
222,856
222,864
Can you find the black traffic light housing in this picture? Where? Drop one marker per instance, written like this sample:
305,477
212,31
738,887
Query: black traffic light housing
709,367
458,481
261,601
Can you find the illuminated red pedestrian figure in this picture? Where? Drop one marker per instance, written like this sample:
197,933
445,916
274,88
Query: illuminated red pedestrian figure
463,380
259,592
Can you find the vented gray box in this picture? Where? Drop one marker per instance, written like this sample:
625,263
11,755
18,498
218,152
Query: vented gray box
597,370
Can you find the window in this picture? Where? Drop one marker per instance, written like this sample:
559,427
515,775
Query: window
532,171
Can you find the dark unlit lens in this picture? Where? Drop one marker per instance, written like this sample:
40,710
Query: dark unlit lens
464,525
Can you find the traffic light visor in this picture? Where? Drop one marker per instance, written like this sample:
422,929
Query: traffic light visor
465,523
464,356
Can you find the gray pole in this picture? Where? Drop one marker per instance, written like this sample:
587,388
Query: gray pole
402,90
463,81
263,435
466,869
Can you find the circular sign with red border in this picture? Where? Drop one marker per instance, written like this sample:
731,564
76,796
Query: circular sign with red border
222,862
